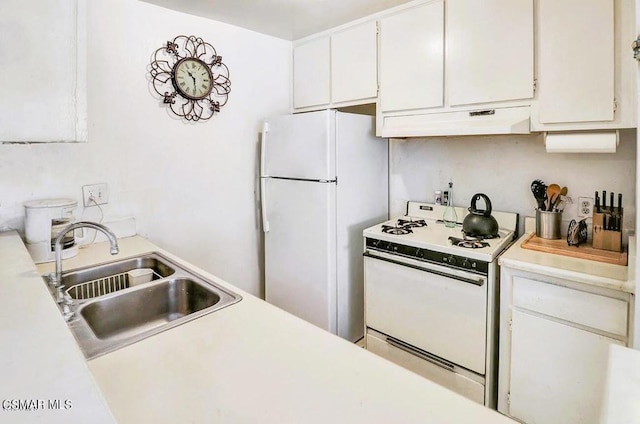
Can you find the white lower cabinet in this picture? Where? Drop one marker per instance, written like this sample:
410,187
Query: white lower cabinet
557,371
554,345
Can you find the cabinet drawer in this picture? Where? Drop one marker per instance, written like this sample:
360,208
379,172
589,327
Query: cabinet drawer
588,309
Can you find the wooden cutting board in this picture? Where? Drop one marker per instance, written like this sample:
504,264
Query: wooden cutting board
584,251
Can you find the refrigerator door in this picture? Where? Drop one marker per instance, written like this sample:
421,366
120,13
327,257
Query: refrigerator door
299,146
300,249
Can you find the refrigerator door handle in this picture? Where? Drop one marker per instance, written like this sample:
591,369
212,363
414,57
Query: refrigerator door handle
263,205
263,194
263,148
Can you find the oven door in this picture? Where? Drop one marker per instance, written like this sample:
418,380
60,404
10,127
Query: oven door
440,310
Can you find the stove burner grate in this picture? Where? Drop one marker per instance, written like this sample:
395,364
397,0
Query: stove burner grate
390,229
478,237
411,223
468,243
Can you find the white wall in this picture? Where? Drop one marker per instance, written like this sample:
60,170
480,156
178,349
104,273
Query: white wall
191,186
503,168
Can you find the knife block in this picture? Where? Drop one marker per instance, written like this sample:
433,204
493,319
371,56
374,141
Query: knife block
606,239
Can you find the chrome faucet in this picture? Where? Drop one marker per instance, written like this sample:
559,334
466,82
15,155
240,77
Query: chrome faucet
56,280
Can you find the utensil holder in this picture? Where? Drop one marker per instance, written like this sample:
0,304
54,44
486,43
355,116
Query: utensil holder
548,224
606,239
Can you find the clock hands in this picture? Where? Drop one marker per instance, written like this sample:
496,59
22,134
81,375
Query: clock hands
194,80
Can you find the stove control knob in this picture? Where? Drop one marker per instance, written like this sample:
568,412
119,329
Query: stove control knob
466,263
419,253
451,260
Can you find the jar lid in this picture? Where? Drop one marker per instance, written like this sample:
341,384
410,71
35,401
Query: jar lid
51,203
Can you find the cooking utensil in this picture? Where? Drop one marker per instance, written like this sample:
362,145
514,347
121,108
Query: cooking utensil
555,203
480,222
560,203
617,213
539,190
553,191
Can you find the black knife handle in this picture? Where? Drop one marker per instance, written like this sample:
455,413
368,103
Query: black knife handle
611,195
619,202
604,199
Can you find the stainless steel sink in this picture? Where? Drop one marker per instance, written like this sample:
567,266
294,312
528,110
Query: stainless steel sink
124,315
147,307
114,272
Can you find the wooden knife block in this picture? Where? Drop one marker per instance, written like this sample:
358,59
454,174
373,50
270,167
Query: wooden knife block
606,239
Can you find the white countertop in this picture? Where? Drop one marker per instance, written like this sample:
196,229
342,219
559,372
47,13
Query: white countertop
247,363
584,271
39,359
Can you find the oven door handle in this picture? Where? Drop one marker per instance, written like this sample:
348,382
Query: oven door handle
420,353
477,281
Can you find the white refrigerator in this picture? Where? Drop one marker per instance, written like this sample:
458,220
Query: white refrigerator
324,179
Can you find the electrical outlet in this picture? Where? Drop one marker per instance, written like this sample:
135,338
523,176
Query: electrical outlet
585,206
98,192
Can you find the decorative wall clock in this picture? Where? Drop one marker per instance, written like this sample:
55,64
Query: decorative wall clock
190,77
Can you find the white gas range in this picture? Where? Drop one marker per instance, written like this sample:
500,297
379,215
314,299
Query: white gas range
431,298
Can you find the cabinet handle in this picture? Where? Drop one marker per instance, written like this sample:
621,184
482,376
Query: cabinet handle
421,354
483,112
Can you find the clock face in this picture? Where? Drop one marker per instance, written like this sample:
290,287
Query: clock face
192,78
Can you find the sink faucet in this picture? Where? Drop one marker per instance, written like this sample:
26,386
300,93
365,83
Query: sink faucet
56,280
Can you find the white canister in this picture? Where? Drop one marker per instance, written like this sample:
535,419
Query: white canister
139,276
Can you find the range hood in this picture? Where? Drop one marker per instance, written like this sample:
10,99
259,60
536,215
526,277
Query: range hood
512,120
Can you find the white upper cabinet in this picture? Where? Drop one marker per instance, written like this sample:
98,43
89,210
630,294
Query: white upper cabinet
311,77
489,47
585,69
582,88
337,69
456,67
43,64
468,67
354,62
412,58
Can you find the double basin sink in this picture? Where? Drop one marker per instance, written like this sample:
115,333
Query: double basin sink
109,313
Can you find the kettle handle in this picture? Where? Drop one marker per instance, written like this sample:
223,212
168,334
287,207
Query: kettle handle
477,196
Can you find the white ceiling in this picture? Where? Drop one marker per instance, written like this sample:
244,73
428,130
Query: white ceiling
288,19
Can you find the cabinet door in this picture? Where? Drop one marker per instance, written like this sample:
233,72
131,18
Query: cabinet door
412,58
558,372
575,61
354,63
489,51
311,73
43,62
